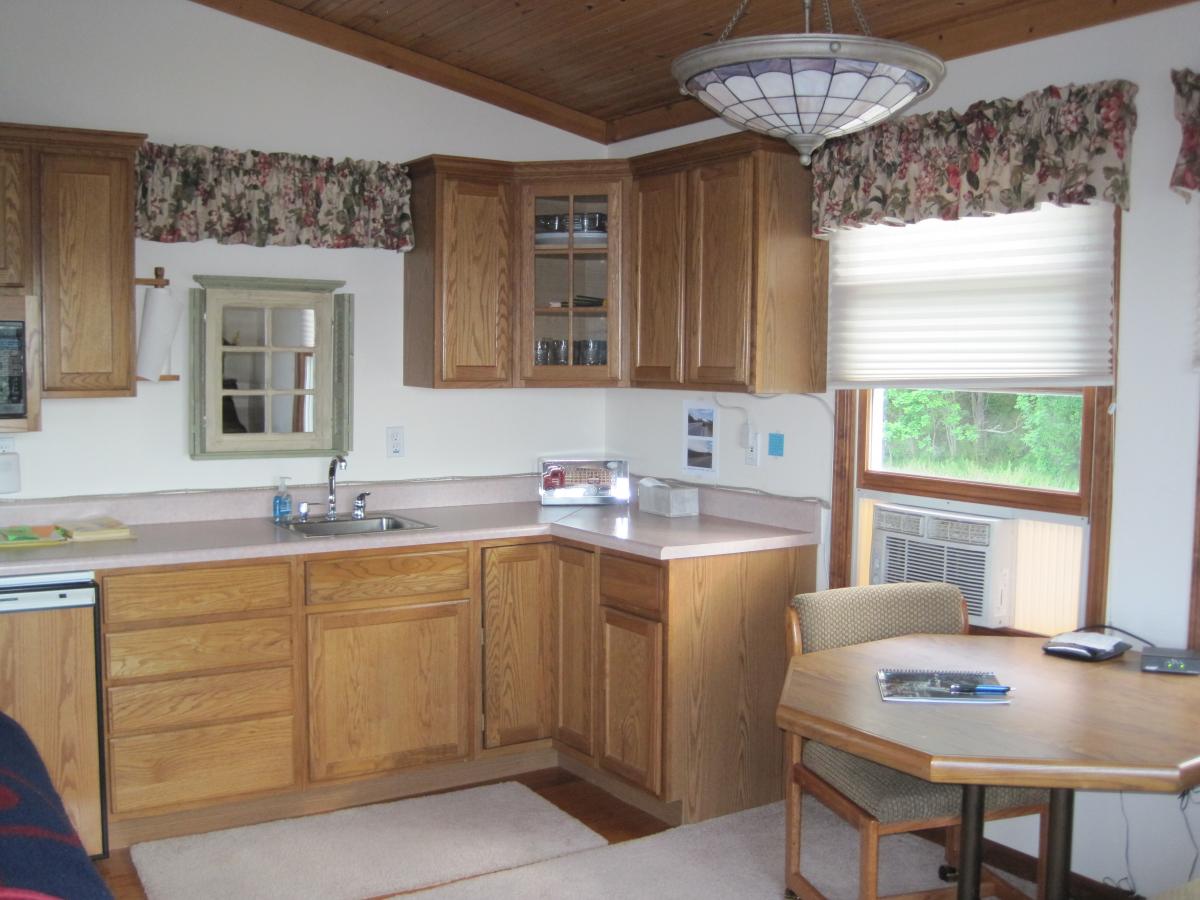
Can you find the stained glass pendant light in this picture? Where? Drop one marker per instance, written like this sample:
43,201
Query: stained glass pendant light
807,88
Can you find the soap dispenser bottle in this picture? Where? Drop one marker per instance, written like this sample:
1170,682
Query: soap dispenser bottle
282,505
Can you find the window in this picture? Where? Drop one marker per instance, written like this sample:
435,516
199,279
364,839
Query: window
980,354
271,367
1028,449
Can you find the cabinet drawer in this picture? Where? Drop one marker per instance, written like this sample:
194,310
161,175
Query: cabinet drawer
194,765
195,648
631,585
194,592
202,700
394,577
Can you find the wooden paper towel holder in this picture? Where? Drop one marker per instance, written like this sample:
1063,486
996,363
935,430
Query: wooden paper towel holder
159,280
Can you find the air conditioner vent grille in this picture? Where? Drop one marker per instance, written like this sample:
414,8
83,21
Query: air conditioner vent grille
904,523
909,560
959,531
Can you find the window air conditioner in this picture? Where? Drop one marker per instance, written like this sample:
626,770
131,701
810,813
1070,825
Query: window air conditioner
974,553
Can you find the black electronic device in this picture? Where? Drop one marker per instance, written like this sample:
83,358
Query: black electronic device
1085,645
1175,660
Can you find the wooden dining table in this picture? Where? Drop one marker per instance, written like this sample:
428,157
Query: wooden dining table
1068,725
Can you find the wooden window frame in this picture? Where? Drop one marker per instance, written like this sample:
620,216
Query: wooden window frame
1098,501
1070,503
1097,505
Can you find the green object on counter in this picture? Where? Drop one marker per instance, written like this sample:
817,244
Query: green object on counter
19,533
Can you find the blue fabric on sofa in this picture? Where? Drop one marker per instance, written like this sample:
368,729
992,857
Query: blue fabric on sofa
39,849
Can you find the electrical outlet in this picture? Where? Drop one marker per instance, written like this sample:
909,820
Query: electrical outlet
753,448
395,440
8,445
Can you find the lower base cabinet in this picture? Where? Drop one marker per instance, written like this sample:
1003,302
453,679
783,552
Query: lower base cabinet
574,627
255,682
631,698
196,765
200,689
518,583
388,688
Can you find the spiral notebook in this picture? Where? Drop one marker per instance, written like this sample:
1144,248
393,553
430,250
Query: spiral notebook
937,686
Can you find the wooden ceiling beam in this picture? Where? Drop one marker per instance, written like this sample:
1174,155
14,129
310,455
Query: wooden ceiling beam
345,40
684,111
1028,21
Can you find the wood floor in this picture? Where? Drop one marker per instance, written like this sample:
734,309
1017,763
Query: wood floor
611,818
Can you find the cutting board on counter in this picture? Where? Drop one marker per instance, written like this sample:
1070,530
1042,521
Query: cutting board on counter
95,528
16,537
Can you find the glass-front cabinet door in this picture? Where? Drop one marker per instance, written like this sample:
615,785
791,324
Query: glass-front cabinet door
571,290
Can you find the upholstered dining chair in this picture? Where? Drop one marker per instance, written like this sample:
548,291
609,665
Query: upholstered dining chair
878,800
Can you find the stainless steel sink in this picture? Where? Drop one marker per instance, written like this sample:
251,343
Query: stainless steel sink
368,525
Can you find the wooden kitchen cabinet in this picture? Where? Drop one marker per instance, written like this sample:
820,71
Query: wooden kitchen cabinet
572,270
631,698
691,661
67,238
458,278
388,688
518,609
389,638
492,299
49,687
729,282
201,685
574,631
16,220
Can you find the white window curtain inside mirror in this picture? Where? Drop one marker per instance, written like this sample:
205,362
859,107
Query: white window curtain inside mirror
1017,300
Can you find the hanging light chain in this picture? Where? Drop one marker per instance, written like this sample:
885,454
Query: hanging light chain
737,15
862,18
854,5
828,16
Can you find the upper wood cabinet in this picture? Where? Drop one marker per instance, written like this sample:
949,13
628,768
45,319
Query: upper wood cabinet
517,276
16,220
66,235
458,278
572,270
728,279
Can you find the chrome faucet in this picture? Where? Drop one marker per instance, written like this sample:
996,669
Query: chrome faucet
338,462
360,506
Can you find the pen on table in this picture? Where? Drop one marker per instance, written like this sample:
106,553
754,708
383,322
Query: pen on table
979,688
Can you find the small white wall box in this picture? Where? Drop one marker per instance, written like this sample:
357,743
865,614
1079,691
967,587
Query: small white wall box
664,499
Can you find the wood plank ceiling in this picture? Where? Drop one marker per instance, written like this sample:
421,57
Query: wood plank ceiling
601,68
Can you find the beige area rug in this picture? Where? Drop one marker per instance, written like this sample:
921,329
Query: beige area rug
738,856
367,851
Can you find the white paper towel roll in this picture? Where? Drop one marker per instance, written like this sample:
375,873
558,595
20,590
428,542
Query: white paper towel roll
160,317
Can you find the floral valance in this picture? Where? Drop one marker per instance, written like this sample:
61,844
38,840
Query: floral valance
189,193
1187,110
1062,145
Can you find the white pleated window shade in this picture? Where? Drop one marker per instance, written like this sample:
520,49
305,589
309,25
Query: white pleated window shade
1007,301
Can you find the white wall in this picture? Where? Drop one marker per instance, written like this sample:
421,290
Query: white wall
1158,395
186,74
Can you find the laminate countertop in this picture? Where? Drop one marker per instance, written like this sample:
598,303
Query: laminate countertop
622,528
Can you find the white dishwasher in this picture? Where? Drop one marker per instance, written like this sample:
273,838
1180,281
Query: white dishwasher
49,683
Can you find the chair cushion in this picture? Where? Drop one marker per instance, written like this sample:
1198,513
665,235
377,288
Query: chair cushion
855,615
892,796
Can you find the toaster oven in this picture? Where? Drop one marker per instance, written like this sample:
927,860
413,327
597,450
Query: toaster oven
591,482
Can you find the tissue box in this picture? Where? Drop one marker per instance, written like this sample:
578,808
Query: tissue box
667,500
